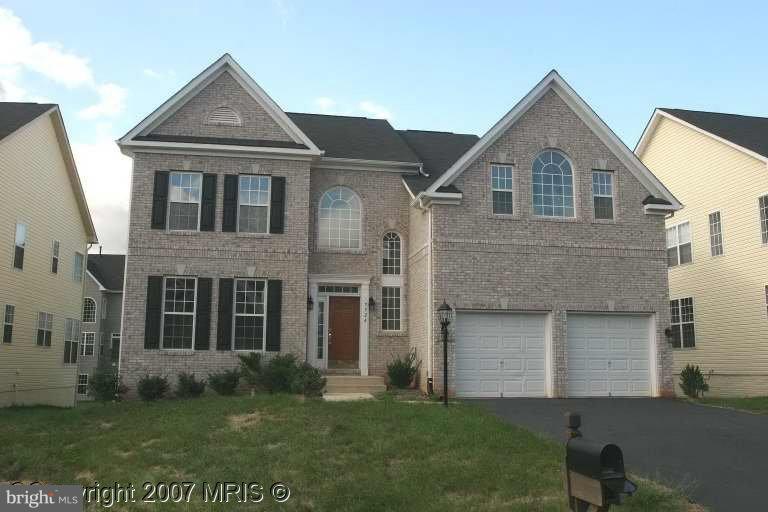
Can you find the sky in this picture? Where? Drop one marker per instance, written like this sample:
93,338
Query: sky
432,65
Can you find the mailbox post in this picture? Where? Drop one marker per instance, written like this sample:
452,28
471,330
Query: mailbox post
594,472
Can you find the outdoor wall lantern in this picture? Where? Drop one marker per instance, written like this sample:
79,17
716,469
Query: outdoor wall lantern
445,317
371,303
310,303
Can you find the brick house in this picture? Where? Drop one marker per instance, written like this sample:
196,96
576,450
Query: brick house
336,238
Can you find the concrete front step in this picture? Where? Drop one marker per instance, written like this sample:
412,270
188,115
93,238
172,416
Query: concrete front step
354,384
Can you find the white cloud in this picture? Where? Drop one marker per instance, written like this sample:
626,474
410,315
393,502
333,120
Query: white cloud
151,73
364,108
326,105
375,110
106,177
49,59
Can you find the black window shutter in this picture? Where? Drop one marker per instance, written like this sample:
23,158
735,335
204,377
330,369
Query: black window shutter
67,347
160,200
224,327
274,308
203,322
208,203
229,219
277,205
154,312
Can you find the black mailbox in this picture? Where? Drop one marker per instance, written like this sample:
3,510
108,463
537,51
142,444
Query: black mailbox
595,472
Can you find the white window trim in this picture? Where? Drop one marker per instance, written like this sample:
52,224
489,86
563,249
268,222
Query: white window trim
681,323
235,314
24,246
45,328
74,344
612,195
55,253
677,246
393,278
78,384
760,219
6,322
722,235
83,344
95,310
78,276
400,319
515,206
574,181
268,205
199,202
194,317
361,239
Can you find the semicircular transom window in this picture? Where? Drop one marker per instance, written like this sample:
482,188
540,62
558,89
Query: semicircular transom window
339,216
552,185
224,116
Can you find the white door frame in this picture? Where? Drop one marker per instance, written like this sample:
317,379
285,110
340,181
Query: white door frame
315,281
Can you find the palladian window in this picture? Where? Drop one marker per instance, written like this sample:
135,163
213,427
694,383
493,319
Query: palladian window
552,185
339,219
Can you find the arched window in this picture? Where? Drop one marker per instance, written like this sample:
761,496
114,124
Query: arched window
89,310
339,219
224,116
391,260
552,185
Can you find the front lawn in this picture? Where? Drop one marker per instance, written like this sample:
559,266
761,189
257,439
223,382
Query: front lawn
757,404
366,456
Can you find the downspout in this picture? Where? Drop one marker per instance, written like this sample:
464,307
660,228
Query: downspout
429,296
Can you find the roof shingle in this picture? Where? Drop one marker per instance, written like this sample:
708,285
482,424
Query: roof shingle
108,269
15,115
438,151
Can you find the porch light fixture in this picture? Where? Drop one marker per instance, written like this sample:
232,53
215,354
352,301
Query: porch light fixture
310,303
371,303
445,317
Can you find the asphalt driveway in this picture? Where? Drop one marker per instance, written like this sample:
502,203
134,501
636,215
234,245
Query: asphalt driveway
718,457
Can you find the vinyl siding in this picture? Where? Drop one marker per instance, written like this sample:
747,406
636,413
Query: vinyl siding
730,314
38,192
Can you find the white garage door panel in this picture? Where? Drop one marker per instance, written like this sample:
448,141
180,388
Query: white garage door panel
500,355
608,355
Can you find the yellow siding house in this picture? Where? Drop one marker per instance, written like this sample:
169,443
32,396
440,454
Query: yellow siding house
45,229
717,245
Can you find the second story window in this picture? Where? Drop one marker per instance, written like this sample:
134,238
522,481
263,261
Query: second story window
20,244
253,204
763,204
602,194
89,310
184,191
552,185
339,219
679,245
10,311
683,332
55,257
44,329
77,269
501,189
715,234
391,261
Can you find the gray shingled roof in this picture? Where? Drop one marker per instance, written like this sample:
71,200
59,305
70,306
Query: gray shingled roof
438,151
746,131
108,269
193,139
15,115
354,137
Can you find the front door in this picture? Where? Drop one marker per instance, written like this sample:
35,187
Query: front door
344,332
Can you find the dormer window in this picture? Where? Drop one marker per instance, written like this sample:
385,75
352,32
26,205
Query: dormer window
224,116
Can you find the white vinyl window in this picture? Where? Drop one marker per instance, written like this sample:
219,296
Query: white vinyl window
55,257
89,310
77,268
88,341
391,261
552,185
683,332
184,192
82,384
390,308
20,245
501,189
715,234
71,340
339,219
10,312
179,305
249,321
763,205
44,329
602,194
114,349
253,204
679,250
321,327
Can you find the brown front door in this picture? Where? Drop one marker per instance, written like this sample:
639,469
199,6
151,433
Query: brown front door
344,332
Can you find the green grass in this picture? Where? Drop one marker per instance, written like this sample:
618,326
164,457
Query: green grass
366,456
757,404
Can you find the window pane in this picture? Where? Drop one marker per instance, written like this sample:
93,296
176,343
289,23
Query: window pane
253,219
249,332
21,235
676,337
502,202
671,237
390,308
763,203
177,331
715,234
672,257
555,198
684,233
603,207
689,336
685,253
391,262
185,187
339,219
182,216
89,310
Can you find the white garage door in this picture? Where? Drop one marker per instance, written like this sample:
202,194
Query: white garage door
608,355
500,355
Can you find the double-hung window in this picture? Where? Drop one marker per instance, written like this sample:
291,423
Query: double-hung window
88,343
20,245
71,340
44,329
683,332
501,189
763,205
715,234
253,204
250,325
390,308
391,260
179,300
89,310
77,269
602,194
391,283
82,384
679,245
114,349
55,257
10,312
184,192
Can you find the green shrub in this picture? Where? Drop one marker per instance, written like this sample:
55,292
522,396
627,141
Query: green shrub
250,368
103,385
188,386
279,373
225,383
308,381
402,370
152,388
692,381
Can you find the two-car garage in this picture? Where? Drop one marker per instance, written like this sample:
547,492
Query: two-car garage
511,355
